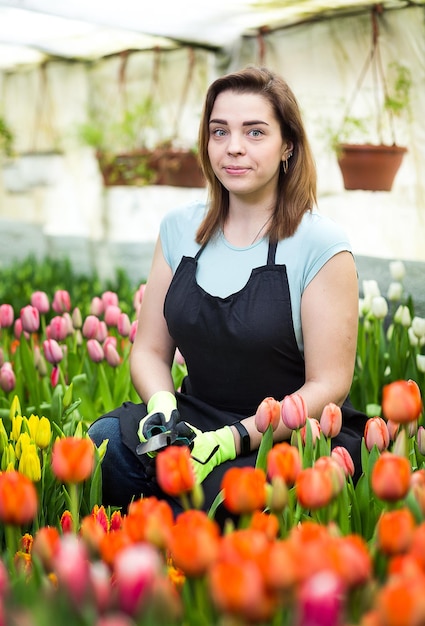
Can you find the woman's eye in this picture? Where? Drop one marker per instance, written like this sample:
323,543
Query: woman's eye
218,132
256,132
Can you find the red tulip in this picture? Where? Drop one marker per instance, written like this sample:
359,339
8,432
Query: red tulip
376,434
331,420
18,498
401,401
294,411
268,412
73,459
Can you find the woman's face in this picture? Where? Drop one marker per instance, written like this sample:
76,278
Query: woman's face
245,146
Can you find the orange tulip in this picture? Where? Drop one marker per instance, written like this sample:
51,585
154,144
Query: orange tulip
174,471
401,401
417,547
376,434
45,545
237,589
284,461
266,523
268,412
280,566
111,544
18,498
316,431
244,489
395,531
194,542
149,519
314,488
401,602
350,558
331,420
73,459
390,477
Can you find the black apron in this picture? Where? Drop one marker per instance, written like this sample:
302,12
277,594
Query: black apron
238,350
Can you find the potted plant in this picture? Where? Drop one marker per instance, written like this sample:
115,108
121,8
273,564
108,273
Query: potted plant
370,160
129,151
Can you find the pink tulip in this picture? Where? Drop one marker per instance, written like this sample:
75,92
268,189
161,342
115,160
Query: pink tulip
138,296
100,582
393,428
109,298
7,377
315,430
133,331
95,350
52,351
321,601
40,301
61,301
294,411
344,458
71,565
58,328
112,313
420,440
376,433
102,332
96,306
331,420
91,327
30,319
268,413
111,355
7,315
18,330
54,376
135,570
123,325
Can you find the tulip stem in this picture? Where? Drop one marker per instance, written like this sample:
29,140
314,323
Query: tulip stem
74,506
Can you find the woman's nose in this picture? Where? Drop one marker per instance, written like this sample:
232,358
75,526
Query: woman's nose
235,145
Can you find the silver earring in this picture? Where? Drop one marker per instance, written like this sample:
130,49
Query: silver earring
285,166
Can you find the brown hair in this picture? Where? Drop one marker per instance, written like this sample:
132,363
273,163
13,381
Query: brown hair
297,188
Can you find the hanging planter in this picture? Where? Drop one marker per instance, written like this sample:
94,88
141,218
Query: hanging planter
369,167
373,166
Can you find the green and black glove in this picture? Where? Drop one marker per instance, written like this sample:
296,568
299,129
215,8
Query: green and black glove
211,449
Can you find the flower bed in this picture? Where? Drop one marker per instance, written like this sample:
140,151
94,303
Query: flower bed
310,548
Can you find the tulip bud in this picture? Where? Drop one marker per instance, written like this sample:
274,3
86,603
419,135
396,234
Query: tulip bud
135,570
29,463
397,270
418,326
7,378
390,478
30,319
90,327
7,315
96,307
268,413
314,426
376,434
395,292
52,351
102,332
379,307
123,325
71,565
294,411
401,401
133,331
344,459
40,301
112,314
420,440
77,320
95,350
44,433
331,420
277,495
402,316
321,601
57,328
420,363
109,298
61,301
111,355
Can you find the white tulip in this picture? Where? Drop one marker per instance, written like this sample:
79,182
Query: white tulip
402,316
379,307
371,289
395,291
413,340
418,326
420,362
397,270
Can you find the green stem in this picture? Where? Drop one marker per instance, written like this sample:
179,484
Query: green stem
74,506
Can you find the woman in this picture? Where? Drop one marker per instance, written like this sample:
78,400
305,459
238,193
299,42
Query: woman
257,290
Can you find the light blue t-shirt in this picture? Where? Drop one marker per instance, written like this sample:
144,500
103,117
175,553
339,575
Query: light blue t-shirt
224,269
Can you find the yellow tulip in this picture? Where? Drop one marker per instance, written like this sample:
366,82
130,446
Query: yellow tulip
23,442
16,427
29,463
44,433
3,437
15,408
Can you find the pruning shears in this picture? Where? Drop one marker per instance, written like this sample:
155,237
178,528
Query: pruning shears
174,433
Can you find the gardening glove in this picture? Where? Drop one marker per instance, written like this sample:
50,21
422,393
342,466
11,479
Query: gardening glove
210,449
162,416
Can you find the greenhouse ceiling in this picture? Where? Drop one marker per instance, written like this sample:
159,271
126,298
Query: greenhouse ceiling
31,31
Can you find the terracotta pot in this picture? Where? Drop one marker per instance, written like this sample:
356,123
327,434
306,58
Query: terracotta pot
369,167
163,166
